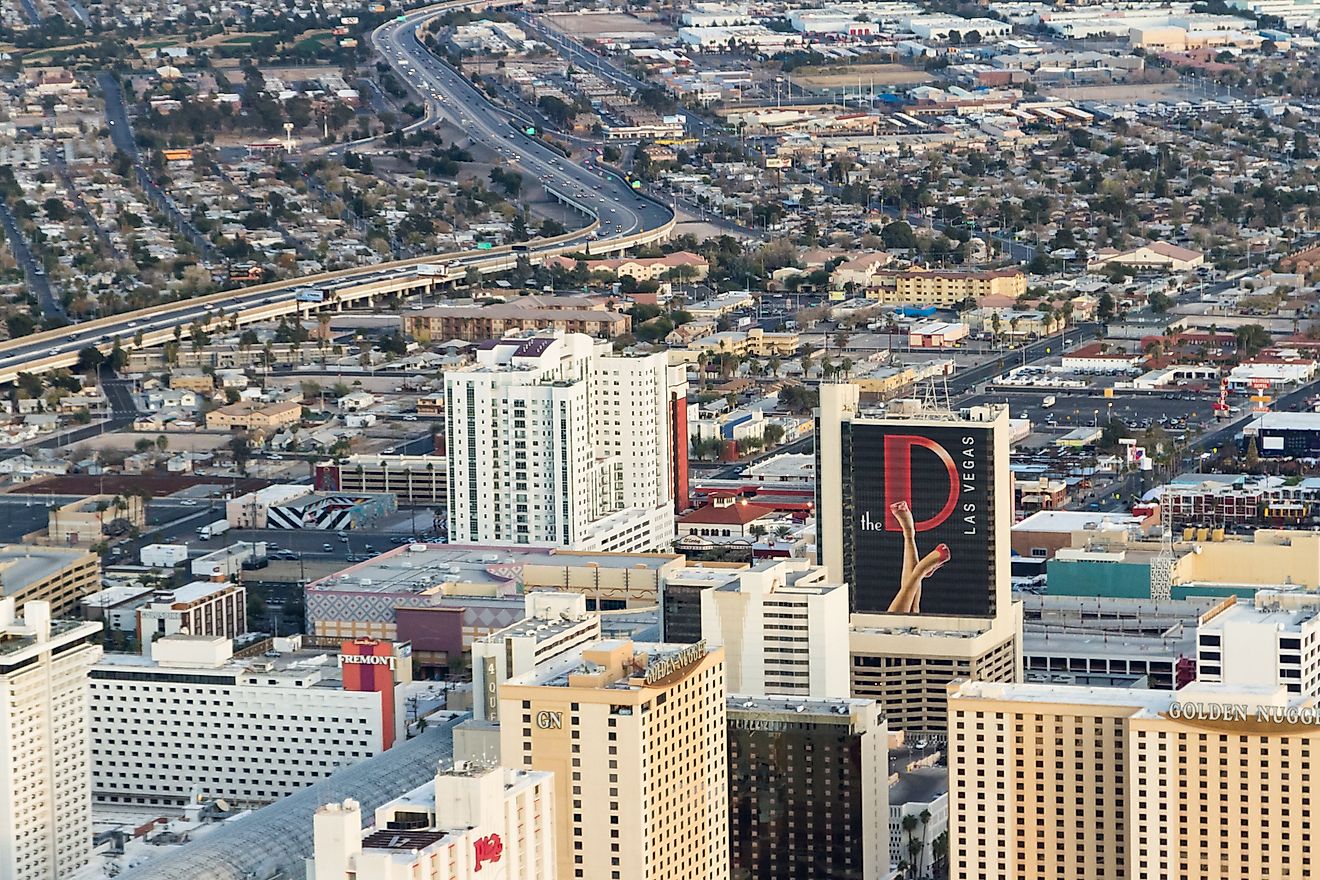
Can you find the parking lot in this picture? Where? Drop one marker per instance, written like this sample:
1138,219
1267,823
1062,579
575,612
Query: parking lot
1174,413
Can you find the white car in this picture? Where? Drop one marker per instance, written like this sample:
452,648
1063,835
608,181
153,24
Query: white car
188,502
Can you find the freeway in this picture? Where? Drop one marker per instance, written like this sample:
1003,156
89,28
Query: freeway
448,94
623,217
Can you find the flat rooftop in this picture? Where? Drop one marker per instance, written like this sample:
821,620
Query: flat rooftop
1143,702
22,565
1068,521
414,568
918,786
1286,619
817,710
541,628
191,592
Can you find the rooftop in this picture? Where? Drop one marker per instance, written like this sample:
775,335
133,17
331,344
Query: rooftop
415,568
22,565
1074,521
800,708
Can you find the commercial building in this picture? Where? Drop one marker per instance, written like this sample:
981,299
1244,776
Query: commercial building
635,737
61,576
1048,781
1283,434
918,808
163,555
116,607
913,512
556,623
89,520
586,315
481,586
226,563
251,510
250,732
254,416
553,440
46,811
1273,641
808,789
201,608
417,479
784,630
330,512
468,824
680,265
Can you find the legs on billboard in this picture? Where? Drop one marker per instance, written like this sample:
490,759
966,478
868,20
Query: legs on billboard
908,598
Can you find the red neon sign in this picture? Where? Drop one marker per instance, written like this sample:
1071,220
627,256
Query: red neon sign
487,849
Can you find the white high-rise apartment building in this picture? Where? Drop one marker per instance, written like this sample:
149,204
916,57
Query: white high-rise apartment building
554,440
45,765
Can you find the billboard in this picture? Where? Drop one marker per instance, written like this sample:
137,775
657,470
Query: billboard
309,295
922,520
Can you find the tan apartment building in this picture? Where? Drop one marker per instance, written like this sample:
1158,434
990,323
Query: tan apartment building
478,323
1050,781
58,575
636,739
945,287
690,266
252,416
754,343
192,380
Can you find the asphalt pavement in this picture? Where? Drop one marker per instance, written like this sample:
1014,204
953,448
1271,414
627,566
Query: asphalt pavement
33,271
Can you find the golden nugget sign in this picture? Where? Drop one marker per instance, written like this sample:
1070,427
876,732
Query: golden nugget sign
663,667
1240,712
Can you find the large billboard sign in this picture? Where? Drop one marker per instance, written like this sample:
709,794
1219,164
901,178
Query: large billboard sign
923,518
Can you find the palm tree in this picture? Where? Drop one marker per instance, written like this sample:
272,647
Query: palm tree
914,848
924,816
940,851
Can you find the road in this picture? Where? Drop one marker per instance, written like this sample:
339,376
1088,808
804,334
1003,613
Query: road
448,95
620,211
121,134
33,271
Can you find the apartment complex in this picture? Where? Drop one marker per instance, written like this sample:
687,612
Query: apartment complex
588,315
254,416
61,576
784,630
913,512
417,479
635,737
250,732
808,789
554,441
468,824
46,811
946,287
1052,781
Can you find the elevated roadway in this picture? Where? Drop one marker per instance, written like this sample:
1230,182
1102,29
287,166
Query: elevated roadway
618,219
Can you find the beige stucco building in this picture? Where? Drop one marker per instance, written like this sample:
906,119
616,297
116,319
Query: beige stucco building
945,287
1050,781
254,416
635,737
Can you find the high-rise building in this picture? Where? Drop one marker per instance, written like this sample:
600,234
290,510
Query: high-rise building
784,630
1050,781
45,760
469,824
554,440
555,624
249,731
635,737
808,789
913,512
